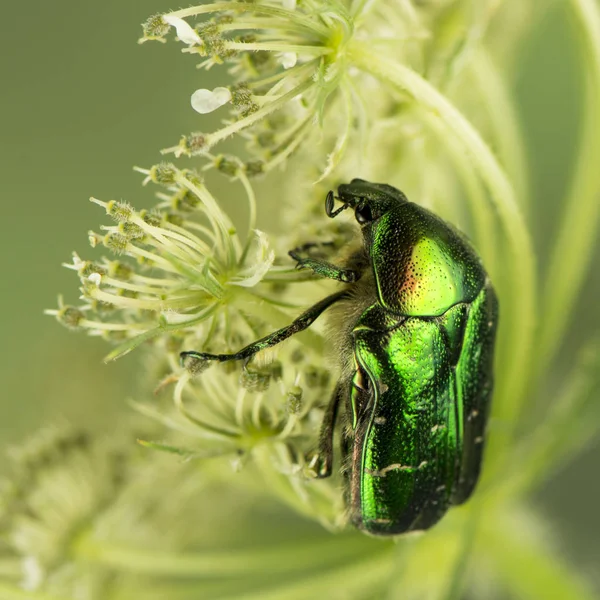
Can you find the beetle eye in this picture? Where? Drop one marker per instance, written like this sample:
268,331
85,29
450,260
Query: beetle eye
363,213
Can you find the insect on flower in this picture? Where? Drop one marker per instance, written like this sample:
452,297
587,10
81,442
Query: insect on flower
416,328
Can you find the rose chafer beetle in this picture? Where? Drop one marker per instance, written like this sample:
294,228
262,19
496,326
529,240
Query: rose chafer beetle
416,326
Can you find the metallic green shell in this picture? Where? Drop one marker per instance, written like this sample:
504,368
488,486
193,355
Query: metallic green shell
418,434
419,400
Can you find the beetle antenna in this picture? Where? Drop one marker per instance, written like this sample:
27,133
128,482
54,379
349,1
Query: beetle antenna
329,203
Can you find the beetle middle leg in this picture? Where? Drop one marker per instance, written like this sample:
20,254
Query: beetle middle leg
305,320
323,461
322,267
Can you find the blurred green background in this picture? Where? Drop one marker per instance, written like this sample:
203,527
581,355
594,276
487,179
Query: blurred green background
82,102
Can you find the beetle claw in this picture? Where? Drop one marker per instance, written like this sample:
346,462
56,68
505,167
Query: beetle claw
319,466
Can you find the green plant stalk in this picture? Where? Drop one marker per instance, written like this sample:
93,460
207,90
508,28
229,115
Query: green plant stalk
281,559
483,219
361,577
506,129
527,567
12,592
572,252
522,313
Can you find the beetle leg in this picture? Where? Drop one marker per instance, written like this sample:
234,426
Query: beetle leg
324,268
306,319
324,459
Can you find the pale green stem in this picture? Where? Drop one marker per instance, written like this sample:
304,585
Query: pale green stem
161,329
251,217
13,592
302,131
356,579
526,566
274,11
214,213
572,253
266,24
278,47
483,219
506,129
260,114
297,556
218,432
286,74
518,308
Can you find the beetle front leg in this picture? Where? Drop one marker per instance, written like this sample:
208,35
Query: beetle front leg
322,267
306,319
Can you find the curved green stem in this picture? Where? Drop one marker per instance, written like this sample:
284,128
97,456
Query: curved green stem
13,592
504,121
297,556
519,302
572,252
483,219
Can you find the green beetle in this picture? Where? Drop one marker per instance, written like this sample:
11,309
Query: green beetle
415,332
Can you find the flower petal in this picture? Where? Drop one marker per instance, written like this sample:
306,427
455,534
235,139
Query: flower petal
288,59
205,101
185,32
263,261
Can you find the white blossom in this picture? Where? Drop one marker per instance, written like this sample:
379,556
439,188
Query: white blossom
185,32
205,101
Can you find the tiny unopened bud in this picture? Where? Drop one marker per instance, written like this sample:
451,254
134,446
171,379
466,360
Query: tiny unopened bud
70,317
193,364
87,268
316,377
151,218
131,231
127,293
116,242
254,379
155,28
294,400
163,174
229,165
252,168
120,270
100,306
264,139
119,211
185,201
190,144
114,336
241,94
174,219
95,238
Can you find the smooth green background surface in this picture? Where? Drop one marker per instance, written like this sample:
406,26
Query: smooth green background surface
81,103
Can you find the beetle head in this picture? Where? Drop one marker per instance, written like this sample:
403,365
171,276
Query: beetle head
422,266
369,200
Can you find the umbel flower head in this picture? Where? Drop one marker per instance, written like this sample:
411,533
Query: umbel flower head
287,61
181,277
296,65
